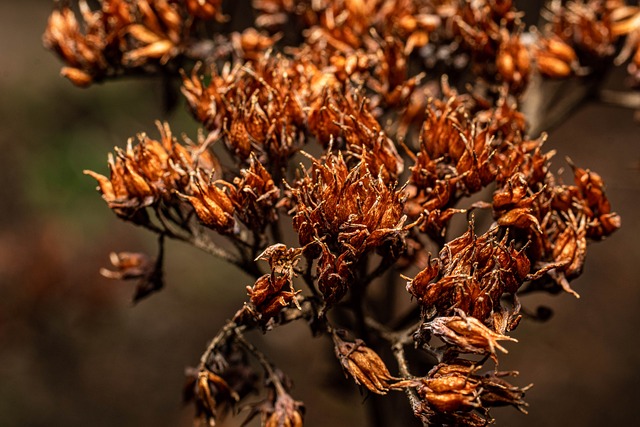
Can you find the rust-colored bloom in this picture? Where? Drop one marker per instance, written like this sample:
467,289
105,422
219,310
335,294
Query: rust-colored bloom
474,273
255,106
157,33
118,36
255,195
151,171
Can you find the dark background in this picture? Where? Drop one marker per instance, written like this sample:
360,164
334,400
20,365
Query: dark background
74,351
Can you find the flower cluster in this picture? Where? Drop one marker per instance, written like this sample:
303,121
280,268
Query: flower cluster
254,107
472,274
345,213
399,150
151,171
452,393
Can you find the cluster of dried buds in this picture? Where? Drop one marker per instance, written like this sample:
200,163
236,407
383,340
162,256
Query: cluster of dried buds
400,151
151,171
342,214
452,393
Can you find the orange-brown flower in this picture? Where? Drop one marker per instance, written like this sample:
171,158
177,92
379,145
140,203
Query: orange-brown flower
118,36
255,196
555,58
255,106
451,390
157,33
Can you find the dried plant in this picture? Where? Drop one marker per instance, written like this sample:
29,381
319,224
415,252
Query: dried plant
376,88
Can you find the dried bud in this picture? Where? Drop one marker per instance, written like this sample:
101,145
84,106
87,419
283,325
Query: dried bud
211,204
273,292
363,364
286,413
520,218
211,393
468,334
135,265
418,285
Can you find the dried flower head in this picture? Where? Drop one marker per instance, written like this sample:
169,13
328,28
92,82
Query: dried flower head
151,171
451,390
348,208
474,274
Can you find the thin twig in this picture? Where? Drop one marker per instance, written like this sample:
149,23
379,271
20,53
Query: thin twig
263,360
223,334
403,367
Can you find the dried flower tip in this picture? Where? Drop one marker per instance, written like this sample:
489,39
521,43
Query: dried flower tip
135,265
129,265
211,204
77,76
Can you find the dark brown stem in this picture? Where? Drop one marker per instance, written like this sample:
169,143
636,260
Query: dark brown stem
403,368
263,360
230,328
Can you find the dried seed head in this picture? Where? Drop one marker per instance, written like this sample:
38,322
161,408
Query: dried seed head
211,203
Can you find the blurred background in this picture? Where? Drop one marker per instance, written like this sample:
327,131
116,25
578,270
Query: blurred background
75,351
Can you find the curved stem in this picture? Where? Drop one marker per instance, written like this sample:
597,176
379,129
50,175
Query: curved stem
264,362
